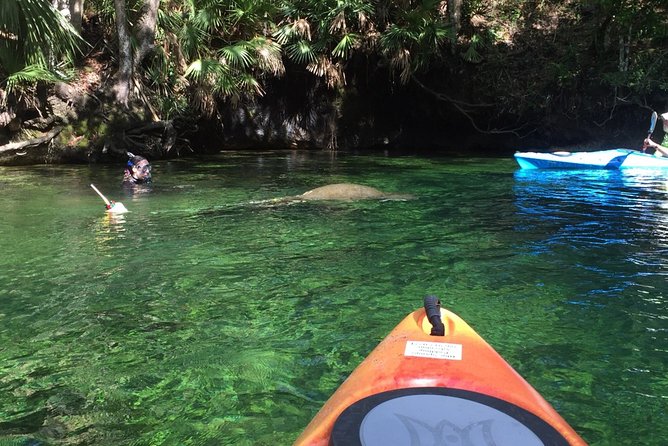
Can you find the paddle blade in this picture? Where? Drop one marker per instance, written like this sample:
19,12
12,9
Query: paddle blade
652,123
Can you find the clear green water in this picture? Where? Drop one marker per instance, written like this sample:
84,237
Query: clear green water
200,318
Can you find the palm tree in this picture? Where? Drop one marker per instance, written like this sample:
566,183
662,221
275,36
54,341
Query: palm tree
212,50
325,34
228,49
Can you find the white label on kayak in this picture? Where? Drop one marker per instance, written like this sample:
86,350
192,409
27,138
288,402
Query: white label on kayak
436,350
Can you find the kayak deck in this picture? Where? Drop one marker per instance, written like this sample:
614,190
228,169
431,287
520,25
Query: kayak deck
415,388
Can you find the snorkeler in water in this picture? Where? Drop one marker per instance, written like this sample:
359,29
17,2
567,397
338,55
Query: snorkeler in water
137,170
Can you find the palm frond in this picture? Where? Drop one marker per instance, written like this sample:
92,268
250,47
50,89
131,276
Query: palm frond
302,28
226,85
331,72
338,23
301,52
206,71
191,39
401,62
248,84
283,34
209,19
434,34
44,36
170,20
396,37
345,46
268,55
237,55
244,12
472,54
203,100
31,75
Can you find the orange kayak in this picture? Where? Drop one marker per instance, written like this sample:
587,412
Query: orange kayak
446,388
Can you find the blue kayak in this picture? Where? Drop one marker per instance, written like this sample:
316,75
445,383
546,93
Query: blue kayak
600,159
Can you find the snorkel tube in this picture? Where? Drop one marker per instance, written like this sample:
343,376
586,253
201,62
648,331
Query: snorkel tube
111,206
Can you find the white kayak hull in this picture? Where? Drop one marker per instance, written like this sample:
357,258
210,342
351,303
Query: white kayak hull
637,160
600,159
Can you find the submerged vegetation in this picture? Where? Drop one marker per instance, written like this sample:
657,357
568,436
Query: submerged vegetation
325,73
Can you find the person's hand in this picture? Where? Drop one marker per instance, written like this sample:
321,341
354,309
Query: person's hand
647,143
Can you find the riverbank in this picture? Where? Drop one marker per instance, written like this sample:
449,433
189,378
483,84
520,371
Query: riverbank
89,130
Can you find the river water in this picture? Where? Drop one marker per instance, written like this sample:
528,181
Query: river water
206,317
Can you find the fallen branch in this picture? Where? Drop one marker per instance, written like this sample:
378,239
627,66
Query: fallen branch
30,142
41,123
464,107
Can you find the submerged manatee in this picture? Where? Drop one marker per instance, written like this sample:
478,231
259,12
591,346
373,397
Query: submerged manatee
342,192
349,191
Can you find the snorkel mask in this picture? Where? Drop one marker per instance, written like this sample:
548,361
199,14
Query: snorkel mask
139,168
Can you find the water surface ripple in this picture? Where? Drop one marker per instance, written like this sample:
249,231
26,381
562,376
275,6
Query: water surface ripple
203,318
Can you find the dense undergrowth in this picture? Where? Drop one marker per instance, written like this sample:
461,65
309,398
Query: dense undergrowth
349,74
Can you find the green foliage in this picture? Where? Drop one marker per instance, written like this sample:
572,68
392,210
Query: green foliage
211,51
35,40
30,75
415,39
301,51
346,45
576,58
237,55
472,53
218,49
105,11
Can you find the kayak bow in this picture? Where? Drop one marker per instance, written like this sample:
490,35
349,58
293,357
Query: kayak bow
416,388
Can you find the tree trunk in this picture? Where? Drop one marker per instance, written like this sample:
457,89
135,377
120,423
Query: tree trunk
76,13
62,7
145,31
455,8
124,75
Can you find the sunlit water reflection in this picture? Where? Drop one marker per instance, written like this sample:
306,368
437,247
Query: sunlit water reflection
201,318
